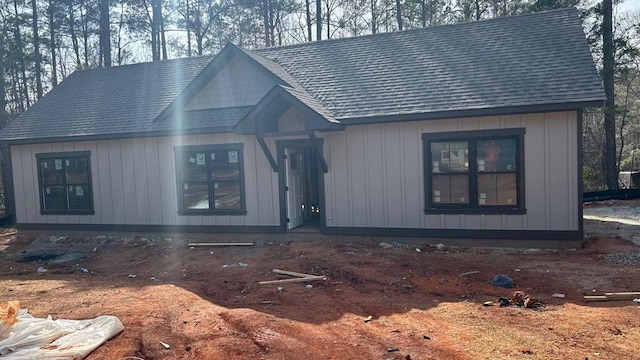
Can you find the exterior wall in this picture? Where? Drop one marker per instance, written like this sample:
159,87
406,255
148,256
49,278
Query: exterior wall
239,83
376,175
134,183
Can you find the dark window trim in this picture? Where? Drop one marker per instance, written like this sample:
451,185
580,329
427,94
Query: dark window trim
474,135
65,155
210,147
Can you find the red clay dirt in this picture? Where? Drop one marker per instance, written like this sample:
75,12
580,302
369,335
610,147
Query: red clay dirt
206,303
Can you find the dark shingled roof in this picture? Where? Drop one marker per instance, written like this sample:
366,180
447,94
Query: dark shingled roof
531,59
513,62
117,100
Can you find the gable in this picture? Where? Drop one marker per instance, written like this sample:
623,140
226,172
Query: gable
238,83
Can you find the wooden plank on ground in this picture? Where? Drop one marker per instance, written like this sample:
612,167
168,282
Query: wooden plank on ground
294,280
222,244
613,296
292,273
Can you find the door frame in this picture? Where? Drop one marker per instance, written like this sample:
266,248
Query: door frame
281,145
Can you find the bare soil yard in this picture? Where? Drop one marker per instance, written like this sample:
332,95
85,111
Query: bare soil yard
206,303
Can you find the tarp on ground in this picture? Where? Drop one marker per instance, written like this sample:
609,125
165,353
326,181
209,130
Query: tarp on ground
23,336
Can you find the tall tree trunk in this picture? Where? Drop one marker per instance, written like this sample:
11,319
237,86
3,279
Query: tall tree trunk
188,25
20,61
52,44
105,33
328,14
374,17
265,20
318,20
85,35
72,30
36,49
423,12
399,14
308,11
15,86
3,92
610,168
163,39
155,29
478,13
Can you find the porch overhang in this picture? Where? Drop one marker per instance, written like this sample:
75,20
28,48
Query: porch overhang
262,120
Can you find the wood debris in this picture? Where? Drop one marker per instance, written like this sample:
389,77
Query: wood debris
298,277
612,296
222,244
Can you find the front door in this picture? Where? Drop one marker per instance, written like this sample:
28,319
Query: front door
293,176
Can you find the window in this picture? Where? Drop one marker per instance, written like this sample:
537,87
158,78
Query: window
474,171
65,183
210,179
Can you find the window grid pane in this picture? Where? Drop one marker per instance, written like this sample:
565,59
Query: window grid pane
65,183
210,180
491,181
448,157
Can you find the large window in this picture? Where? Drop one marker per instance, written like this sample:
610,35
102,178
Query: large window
474,171
65,183
210,179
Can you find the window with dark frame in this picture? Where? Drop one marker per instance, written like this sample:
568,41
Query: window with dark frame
64,181
474,171
210,179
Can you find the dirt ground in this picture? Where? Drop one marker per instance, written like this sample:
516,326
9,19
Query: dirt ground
206,303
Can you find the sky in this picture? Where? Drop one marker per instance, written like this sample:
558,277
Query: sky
629,5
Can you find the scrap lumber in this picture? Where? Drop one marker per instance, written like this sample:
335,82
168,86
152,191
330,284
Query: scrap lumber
292,273
293,280
613,296
221,244
298,277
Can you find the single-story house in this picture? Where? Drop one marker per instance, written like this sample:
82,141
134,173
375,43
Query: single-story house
470,130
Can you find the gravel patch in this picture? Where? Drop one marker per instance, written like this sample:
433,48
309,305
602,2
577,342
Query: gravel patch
627,258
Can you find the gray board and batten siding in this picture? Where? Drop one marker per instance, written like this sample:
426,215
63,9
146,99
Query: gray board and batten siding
375,178
134,183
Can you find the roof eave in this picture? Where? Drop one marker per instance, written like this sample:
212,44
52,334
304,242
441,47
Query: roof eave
466,113
116,136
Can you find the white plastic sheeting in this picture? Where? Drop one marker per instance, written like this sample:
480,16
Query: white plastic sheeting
24,337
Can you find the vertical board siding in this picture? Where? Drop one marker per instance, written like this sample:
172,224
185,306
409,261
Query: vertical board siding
18,182
535,172
374,176
340,202
393,186
141,179
358,176
117,183
384,167
152,186
375,179
134,182
30,179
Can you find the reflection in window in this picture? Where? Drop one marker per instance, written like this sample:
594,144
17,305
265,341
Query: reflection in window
473,173
210,179
65,183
